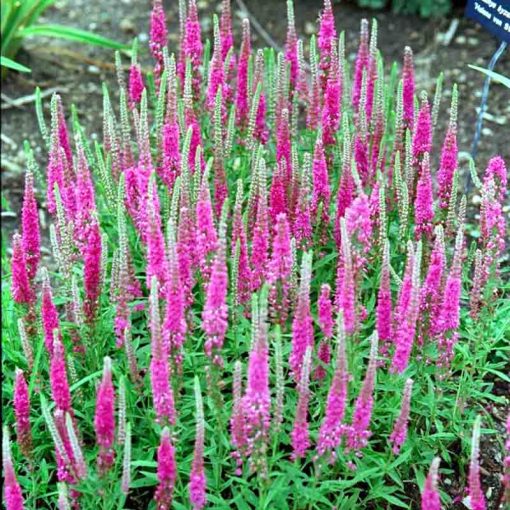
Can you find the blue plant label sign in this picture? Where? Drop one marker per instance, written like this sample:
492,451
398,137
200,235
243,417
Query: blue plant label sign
494,15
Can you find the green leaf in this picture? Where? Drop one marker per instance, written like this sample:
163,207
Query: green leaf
504,80
73,34
15,66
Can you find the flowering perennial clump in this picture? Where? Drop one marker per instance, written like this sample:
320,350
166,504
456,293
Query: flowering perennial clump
284,215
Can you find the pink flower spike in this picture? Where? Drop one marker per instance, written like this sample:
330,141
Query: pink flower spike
300,433
447,166
92,271
359,431
331,428
325,311
242,99
327,39
476,495
162,393
423,203
399,433
408,88
384,302
422,134
193,48
226,36
496,171
167,472
58,377
13,496
321,191
256,403
197,481
22,414
260,243
171,165
104,420
215,313
279,270
302,325
430,499
362,59
174,327
22,292
136,85
158,36
291,49
49,313
30,233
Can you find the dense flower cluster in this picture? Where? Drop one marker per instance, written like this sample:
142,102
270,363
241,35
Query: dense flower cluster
343,236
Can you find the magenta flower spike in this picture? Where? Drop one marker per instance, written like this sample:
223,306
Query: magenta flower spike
430,294
423,202
327,40
291,45
278,193
362,60
326,323
30,233
197,479
430,499
206,235
193,49
302,325
59,123
300,433
497,172
162,393
359,431
239,241
331,430
404,295
215,313
261,132
476,496
85,201
22,292
13,496
166,472
384,305
447,166
313,116
22,414
242,99
216,74
325,311
49,314
449,314
279,270
399,433
405,323
331,112
256,402
260,244
92,271
422,134
344,198
226,35
174,327
359,225
157,264
283,145
237,429
171,164
158,37
55,174
58,377
136,85
104,420
345,299
321,190
408,88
